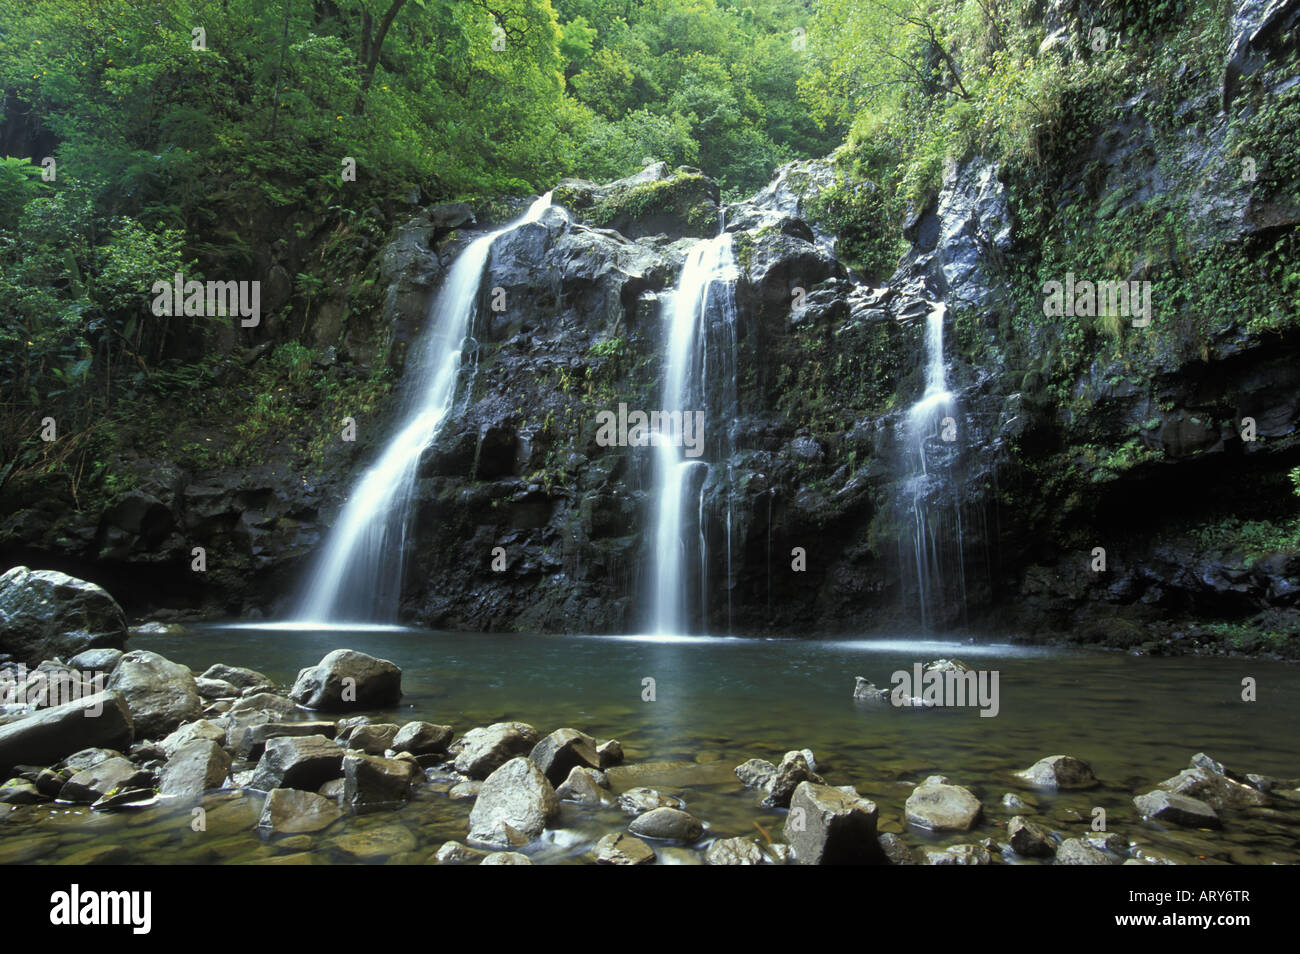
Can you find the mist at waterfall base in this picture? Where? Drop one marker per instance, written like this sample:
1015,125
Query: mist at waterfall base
699,373
357,577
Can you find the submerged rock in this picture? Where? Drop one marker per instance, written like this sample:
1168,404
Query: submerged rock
292,811
620,848
734,851
454,853
506,858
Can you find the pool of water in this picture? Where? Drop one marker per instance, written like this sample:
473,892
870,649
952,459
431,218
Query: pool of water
717,702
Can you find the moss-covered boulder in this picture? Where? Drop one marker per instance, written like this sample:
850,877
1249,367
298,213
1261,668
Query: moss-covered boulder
678,204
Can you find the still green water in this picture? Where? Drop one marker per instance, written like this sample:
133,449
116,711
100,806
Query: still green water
721,701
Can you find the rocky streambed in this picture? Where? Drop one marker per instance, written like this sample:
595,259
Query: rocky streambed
447,761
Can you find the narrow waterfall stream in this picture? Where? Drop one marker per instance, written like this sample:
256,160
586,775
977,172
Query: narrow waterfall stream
680,548
930,496
357,577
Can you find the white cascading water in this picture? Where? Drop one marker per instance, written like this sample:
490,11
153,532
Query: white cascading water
358,575
929,418
710,264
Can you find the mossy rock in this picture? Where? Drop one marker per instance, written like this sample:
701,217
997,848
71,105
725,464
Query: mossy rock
683,204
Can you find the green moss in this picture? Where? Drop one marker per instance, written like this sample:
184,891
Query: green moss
686,195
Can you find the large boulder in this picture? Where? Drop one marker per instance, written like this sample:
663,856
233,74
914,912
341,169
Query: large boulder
483,750
194,768
46,614
47,735
564,750
307,763
346,679
514,806
161,694
829,826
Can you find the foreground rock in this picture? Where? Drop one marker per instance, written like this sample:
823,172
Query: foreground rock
621,848
93,783
48,735
793,771
1174,809
638,801
288,811
45,614
1076,851
959,855
513,807
482,751
667,824
247,681
1029,839
371,783
829,826
346,679
939,806
562,751
160,693
734,851
305,763
584,786
1060,773
506,858
1210,782
194,768
422,738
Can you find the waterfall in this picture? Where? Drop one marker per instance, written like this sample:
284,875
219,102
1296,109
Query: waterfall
358,575
931,492
707,282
